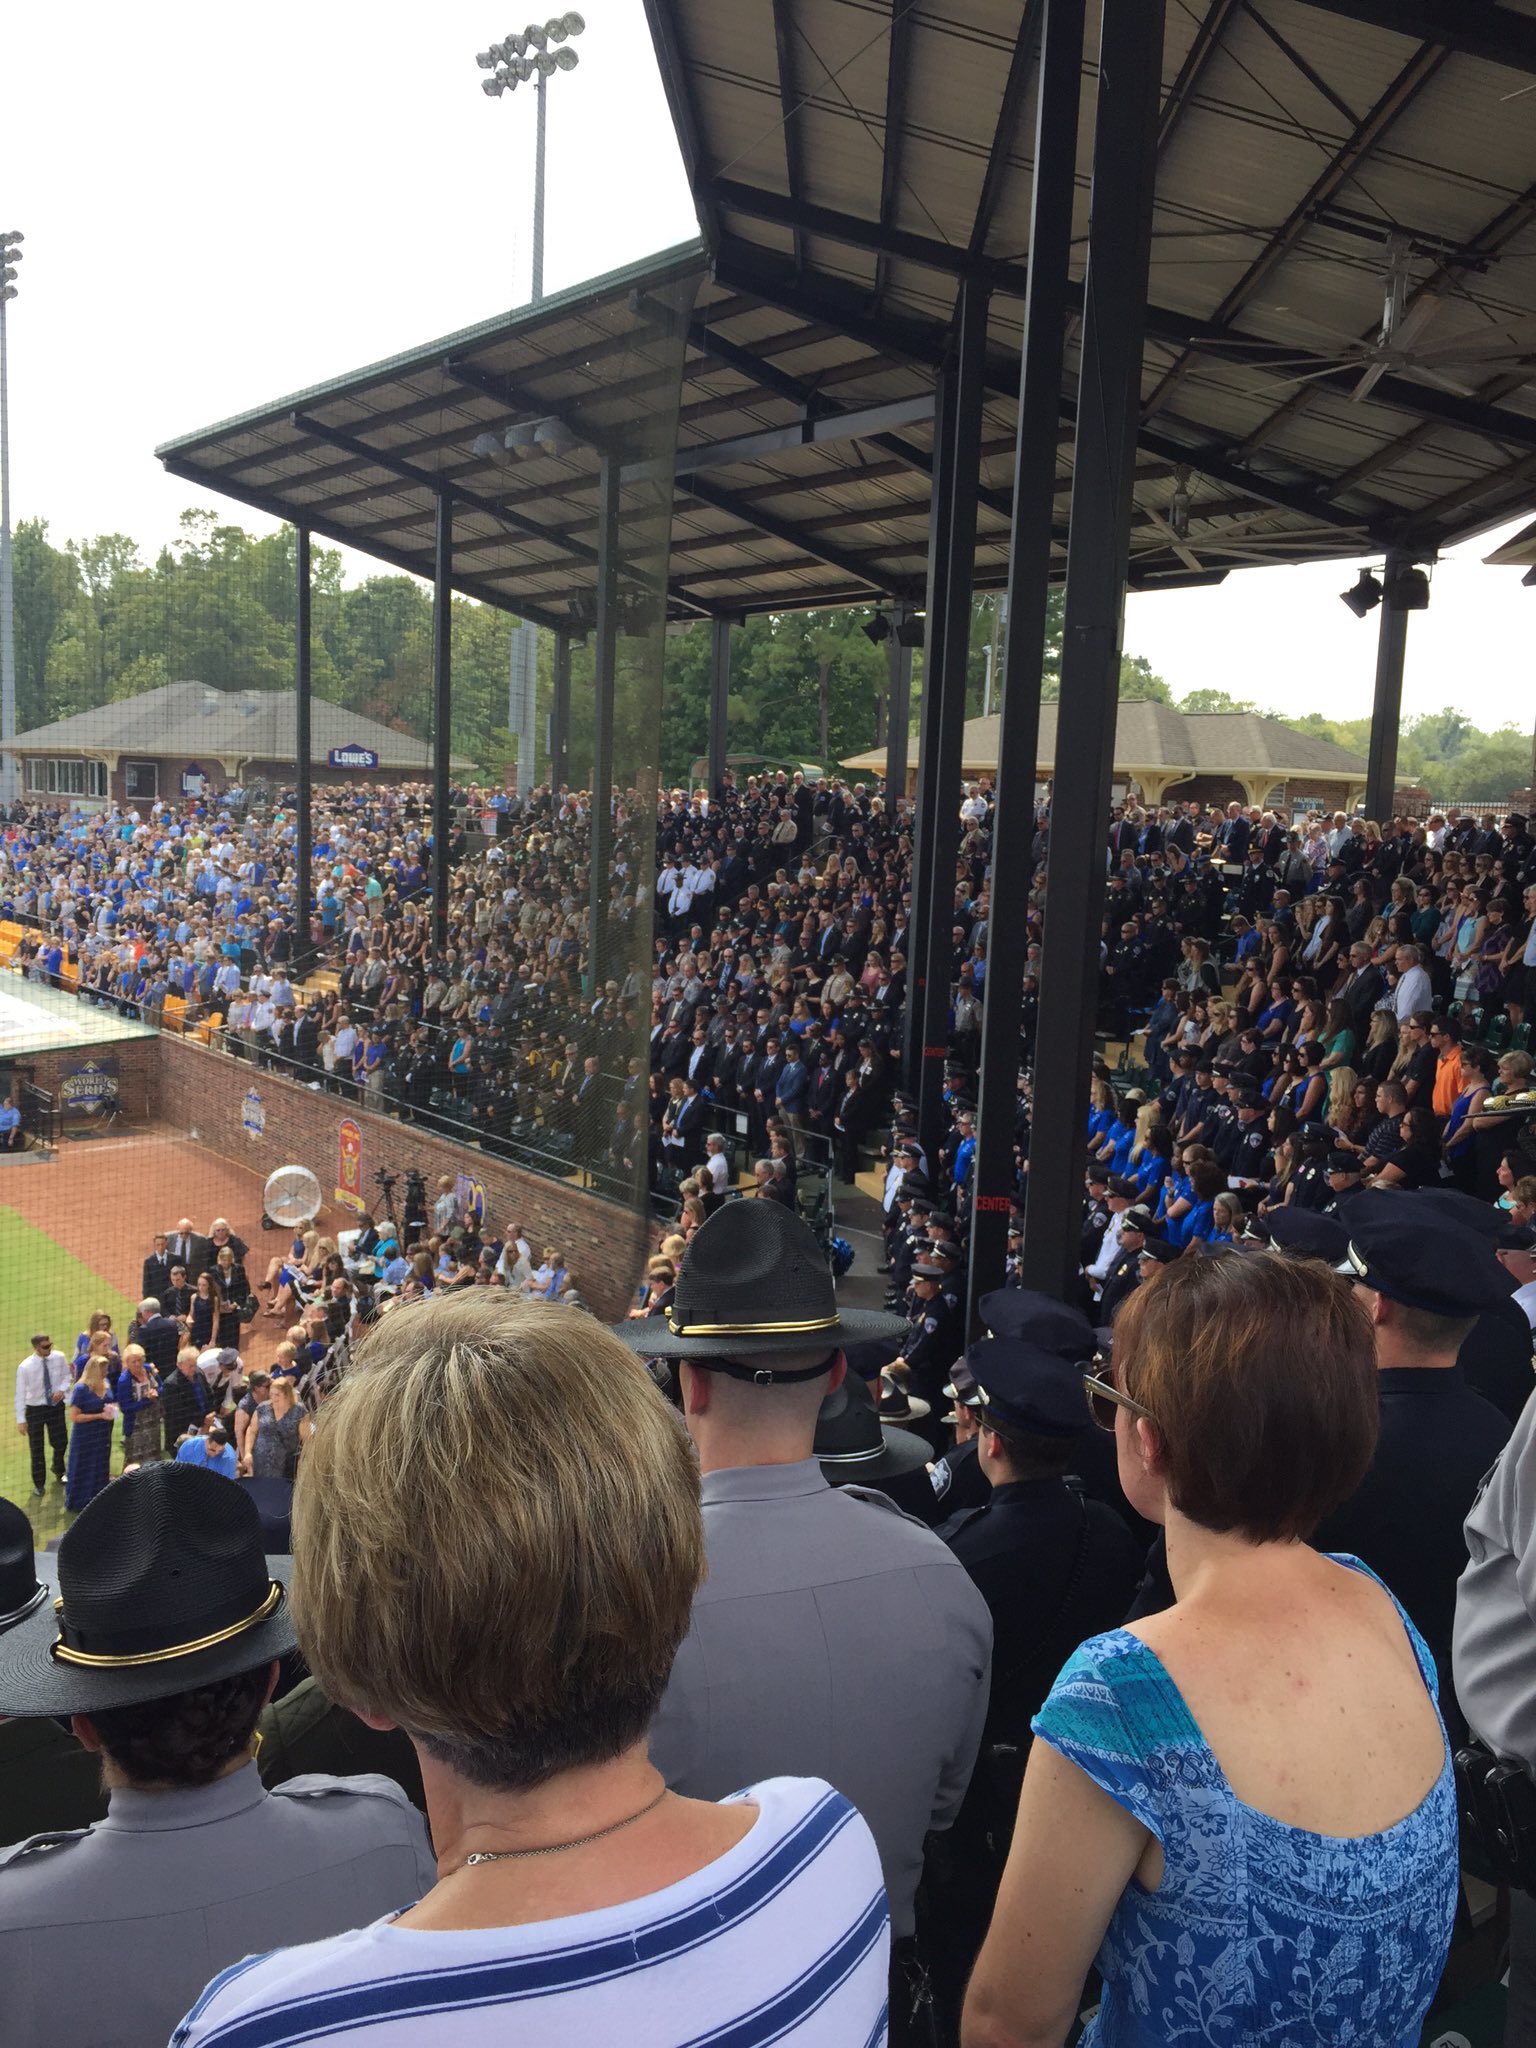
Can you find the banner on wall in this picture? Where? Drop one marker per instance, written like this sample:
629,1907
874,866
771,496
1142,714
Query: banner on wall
349,1165
88,1086
253,1114
470,1196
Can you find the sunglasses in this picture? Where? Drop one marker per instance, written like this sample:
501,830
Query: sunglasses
1104,1398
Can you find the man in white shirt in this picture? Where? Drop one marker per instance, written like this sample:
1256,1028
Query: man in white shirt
1121,1194
42,1381
1413,993
1519,1260
716,1167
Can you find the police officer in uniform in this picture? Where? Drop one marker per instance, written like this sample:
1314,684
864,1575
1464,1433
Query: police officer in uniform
46,1778
958,1479
161,1652
1054,1569
937,1334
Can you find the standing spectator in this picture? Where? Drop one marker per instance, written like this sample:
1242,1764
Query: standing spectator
445,1206
552,1827
158,1335
42,1382
278,1430
162,1652
92,1412
138,1401
1212,1787
818,1605
184,1399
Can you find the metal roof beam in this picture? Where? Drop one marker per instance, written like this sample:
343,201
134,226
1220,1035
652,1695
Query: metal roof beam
1340,168
1021,67
276,508
806,432
1472,28
1207,40
790,104
1305,500
799,214
393,465
898,67
792,536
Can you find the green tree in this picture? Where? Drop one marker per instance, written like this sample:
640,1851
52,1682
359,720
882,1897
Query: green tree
1213,700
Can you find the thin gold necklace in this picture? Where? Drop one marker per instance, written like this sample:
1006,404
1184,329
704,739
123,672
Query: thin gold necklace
556,1848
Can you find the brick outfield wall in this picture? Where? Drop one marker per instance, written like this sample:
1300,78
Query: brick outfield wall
137,1061
603,1243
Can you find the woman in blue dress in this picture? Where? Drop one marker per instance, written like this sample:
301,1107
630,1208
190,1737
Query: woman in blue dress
92,1412
1241,1808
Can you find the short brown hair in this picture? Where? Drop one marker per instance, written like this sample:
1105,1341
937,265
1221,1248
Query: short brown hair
1261,1374
497,1537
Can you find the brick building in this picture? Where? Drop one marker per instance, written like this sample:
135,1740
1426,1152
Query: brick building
188,739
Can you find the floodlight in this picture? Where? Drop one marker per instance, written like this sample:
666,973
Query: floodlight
7,291
8,274
519,440
493,87
1178,504
523,67
573,24
876,629
1408,591
534,37
486,445
910,632
486,59
567,60
554,437
546,64
556,29
11,240
515,45
1365,596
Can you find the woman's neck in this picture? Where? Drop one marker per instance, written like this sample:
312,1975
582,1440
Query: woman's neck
1206,1564
468,1819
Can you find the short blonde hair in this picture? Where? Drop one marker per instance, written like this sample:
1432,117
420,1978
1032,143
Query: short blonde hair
497,1537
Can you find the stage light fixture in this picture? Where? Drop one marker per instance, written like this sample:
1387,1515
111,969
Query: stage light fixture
911,631
1408,591
566,60
1365,595
876,629
554,437
519,440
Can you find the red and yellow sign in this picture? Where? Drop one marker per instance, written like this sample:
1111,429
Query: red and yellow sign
349,1165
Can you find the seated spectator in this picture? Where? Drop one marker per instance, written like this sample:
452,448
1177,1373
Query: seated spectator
212,1450
524,1649
161,1655
1191,1814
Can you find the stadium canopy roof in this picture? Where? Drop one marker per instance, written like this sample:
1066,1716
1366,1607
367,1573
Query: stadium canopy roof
1169,745
852,162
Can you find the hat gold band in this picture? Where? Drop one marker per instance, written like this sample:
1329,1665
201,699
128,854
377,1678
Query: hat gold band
66,1655
747,1329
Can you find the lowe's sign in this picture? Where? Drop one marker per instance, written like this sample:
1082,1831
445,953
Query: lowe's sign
352,757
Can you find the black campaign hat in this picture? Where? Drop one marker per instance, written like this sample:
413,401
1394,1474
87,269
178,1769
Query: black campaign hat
853,1445
752,1281
1026,1387
23,1588
163,1586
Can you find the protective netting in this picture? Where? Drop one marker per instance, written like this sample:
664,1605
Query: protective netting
464,1081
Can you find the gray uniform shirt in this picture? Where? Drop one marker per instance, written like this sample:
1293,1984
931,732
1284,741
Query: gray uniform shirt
1493,1653
107,1936
837,1638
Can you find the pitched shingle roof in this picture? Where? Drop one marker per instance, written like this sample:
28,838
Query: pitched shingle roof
256,725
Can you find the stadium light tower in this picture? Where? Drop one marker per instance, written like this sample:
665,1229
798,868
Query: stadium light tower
10,256
513,63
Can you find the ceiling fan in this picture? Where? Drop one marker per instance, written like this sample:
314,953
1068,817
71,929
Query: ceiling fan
1234,543
1406,343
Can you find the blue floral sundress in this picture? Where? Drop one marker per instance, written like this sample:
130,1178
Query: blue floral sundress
1259,1933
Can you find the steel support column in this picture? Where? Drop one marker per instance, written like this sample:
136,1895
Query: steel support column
898,711
560,715
951,567
1114,319
605,638
1029,564
302,701
1387,704
719,702
442,712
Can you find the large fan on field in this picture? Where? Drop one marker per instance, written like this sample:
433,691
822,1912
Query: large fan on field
1421,339
291,1196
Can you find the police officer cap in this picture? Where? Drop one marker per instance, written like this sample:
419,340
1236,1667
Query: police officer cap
1159,1249
1248,1098
1340,1161
1122,1189
1309,1234
1421,1261
962,1388
946,1248
1488,1222
1137,1219
1042,1319
924,1269
921,1206
1025,1386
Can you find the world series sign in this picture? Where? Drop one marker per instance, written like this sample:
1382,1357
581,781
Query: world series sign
86,1089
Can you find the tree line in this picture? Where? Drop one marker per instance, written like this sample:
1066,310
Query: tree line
96,621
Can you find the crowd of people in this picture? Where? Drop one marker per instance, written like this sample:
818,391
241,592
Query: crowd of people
866,1678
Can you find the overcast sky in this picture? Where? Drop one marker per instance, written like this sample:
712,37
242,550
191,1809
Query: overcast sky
224,205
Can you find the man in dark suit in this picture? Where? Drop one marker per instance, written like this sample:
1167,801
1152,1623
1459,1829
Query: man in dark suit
190,1249
177,1298
1360,991
689,1124
159,1334
156,1277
